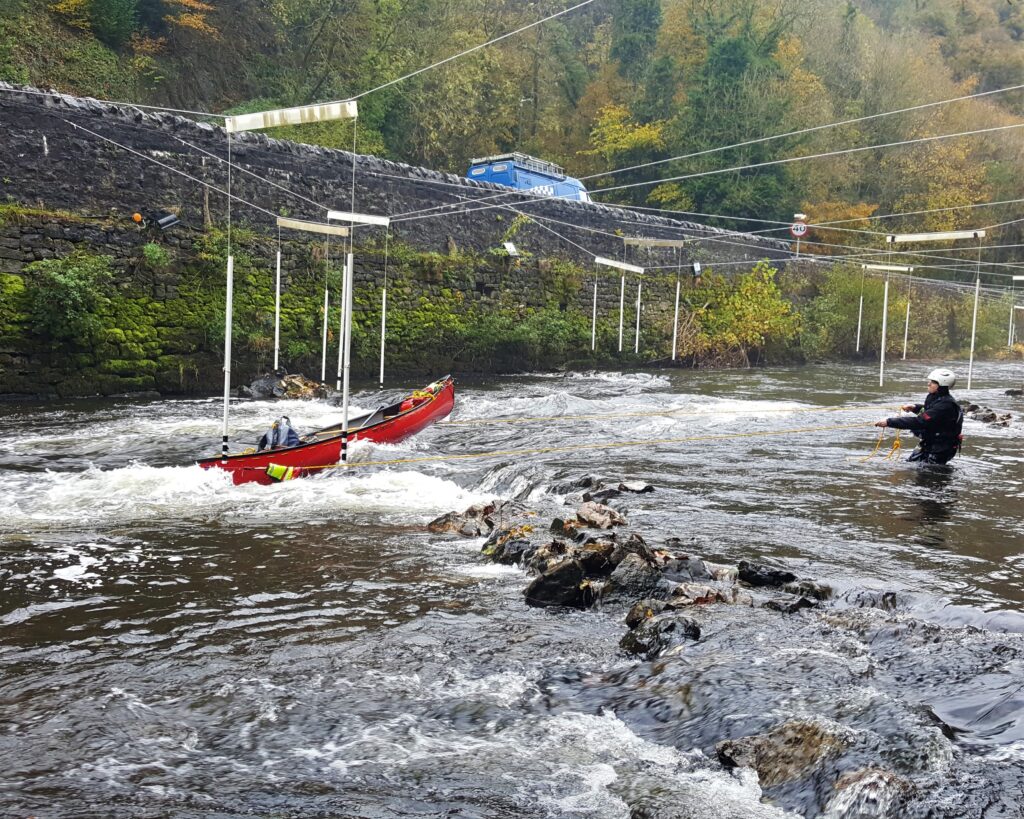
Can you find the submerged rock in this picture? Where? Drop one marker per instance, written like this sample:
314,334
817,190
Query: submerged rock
635,486
601,495
869,792
643,609
755,574
654,635
788,752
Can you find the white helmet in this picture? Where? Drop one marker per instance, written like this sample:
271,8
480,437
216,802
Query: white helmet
942,377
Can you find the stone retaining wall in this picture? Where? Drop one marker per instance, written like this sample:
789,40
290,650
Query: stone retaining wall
58,157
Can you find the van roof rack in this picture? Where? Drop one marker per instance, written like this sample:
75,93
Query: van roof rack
525,160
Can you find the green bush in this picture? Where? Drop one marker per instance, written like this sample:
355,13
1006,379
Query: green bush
156,257
113,21
65,295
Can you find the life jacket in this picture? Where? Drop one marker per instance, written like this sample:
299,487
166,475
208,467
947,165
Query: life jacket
946,431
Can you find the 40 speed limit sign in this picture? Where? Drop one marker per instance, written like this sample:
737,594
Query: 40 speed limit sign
798,229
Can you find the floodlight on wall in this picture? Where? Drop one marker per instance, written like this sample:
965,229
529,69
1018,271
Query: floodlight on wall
162,219
629,268
895,268
511,249
359,218
326,112
943,236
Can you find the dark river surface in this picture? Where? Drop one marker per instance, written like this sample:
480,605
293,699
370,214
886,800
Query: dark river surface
171,645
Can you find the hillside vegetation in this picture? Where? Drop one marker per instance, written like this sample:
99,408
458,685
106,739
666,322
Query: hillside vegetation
613,84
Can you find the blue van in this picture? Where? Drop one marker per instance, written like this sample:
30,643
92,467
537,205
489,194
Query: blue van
527,173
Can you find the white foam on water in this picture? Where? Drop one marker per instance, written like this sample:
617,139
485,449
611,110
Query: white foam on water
103,498
487,571
77,571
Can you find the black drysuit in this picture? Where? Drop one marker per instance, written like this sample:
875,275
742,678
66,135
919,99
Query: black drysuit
938,423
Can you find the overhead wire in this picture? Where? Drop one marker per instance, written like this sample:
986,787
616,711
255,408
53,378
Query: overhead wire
171,168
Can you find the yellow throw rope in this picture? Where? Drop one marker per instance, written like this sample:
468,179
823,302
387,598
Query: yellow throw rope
581,447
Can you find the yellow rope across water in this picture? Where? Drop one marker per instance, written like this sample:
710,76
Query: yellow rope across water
581,447
673,412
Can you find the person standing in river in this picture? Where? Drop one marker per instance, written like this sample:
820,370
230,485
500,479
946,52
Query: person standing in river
938,422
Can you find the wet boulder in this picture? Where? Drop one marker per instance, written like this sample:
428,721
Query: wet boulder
476,521
635,486
811,589
294,386
789,604
634,579
687,570
755,574
568,487
655,635
564,584
788,752
547,555
596,558
601,495
698,594
870,792
566,528
986,415
1015,392
643,609
634,545
599,516
508,545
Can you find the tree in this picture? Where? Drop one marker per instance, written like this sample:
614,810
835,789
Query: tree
634,33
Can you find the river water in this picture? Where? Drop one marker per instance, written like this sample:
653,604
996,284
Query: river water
172,645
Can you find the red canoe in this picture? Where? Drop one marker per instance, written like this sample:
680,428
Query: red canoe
322,448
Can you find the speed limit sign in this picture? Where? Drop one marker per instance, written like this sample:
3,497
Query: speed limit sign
798,229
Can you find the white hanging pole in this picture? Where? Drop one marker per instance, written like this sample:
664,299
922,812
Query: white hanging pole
347,344
341,325
383,311
860,317
593,320
860,310
347,301
622,308
675,322
974,329
323,355
636,344
1009,335
227,353
383,330
228,301
885,316
277,307
906,330
675,318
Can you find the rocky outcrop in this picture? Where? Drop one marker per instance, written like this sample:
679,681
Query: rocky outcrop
293,386
986,415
